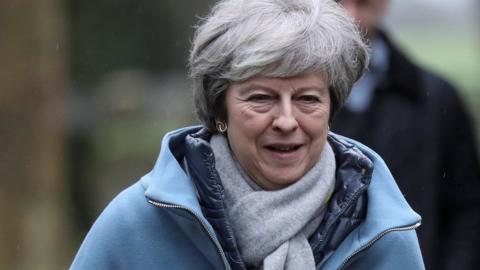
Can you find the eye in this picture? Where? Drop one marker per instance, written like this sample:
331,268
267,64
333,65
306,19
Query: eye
259,98
309,99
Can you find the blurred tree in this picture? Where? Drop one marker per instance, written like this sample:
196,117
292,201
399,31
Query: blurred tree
114,34
34,230
142,46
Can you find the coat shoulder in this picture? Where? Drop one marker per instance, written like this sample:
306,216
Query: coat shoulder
131,233
395,250
117,228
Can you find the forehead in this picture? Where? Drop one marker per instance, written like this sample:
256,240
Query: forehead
313,80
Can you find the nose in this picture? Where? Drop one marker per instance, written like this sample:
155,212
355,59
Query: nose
285,120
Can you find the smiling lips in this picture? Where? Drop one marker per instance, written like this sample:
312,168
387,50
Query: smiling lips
284,148
286,154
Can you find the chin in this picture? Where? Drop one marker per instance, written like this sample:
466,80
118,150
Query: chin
282,180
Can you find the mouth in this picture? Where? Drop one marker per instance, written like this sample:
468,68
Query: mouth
283,148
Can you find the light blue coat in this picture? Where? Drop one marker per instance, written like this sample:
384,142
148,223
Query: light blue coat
157,223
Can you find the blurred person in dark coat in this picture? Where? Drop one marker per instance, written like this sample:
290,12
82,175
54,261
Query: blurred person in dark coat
417,122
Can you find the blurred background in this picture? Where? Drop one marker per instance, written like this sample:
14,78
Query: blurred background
88,88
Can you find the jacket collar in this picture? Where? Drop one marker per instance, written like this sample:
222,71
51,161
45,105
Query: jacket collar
387,209
387,206
402,76
169,182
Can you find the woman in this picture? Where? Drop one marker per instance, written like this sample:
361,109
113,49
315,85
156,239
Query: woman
262,184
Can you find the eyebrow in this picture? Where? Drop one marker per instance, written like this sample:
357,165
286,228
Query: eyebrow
248,86
306,88
243,89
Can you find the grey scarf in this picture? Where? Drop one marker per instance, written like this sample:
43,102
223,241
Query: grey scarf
272,227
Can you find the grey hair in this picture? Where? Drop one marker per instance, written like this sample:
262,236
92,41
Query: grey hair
241,39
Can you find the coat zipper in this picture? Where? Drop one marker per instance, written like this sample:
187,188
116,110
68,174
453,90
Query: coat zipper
217,245
374,240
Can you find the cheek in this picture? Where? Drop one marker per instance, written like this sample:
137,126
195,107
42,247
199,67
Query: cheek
246,121
317,132
316,126
244,133
242,130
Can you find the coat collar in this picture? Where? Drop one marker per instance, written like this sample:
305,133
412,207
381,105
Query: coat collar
387,206
169,182
402,75
387,209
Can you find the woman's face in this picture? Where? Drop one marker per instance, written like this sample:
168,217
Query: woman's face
277,127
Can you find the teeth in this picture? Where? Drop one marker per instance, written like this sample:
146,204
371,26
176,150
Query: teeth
285,148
